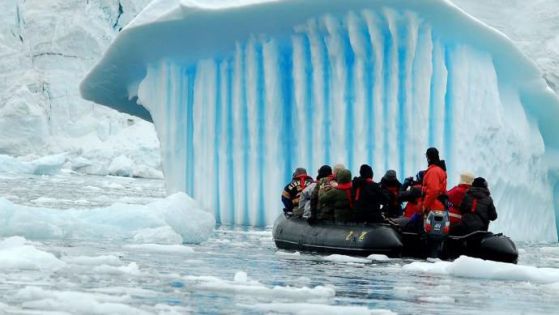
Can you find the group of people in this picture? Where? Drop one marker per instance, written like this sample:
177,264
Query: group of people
335,196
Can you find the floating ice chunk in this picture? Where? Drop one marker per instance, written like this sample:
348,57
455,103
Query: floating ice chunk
17,253
378,257
160,235
242,284
437,299
47,165
110,260
177,213
122,166
241,276
177,249
74,302
131,269
346,259
287,254
318,309
469,267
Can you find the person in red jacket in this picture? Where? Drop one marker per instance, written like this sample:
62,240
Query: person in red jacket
434,182
456,195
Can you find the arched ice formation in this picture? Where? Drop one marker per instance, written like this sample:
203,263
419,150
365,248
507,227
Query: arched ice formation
242,94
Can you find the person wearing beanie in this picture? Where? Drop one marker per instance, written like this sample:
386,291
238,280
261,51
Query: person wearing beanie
292,191
434,182
324,185
338,201
477,209
304,209
456,195
367,197
391,187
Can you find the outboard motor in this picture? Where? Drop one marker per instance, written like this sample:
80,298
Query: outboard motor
436,227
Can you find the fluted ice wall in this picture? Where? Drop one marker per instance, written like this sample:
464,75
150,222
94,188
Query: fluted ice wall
374,87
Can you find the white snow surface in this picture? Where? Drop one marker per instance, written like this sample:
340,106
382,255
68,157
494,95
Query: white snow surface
174,220
224,97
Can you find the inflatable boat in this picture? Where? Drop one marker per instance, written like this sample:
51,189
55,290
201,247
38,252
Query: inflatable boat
327,237
357,239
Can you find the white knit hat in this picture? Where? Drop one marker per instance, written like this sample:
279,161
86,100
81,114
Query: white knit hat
466,178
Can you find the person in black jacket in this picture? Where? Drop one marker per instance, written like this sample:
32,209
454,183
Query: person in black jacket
391,186
477,209
367,196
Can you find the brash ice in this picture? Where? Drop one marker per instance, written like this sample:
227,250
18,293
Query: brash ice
241,94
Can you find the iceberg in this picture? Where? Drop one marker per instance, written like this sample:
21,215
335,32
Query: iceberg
241,93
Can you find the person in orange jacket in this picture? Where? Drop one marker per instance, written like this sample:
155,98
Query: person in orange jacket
434,182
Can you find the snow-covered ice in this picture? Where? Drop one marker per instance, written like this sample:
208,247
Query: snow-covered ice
17,253
468,267
176,219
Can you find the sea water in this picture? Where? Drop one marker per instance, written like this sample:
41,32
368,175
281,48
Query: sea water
239,270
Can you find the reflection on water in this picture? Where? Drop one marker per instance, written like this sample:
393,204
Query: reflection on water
238,270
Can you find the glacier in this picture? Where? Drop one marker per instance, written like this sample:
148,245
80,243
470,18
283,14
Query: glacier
241,93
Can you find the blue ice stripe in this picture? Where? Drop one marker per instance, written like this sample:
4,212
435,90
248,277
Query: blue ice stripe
245,132
217,143
191,75
287,132
349,98
327,125
369,84
229,145
434,79
449,98
388,43
261,130
309,105
402,98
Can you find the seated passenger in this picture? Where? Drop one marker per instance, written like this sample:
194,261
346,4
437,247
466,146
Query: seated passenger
304,209
367,197
292,191
456,195
391,185
411,193
325,184
338,200
477,208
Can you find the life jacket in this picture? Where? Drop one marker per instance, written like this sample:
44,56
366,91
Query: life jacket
347,188
303,181
394,191
413,207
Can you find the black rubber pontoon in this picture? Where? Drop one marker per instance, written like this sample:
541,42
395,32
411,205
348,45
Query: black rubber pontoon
327,237
480,244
